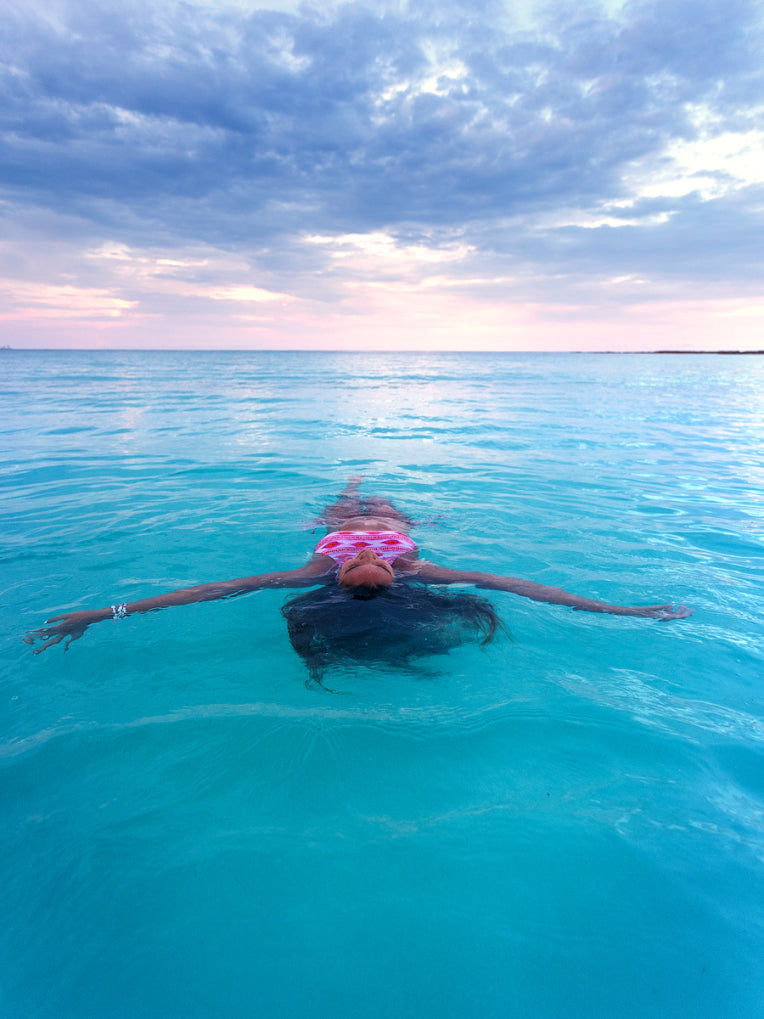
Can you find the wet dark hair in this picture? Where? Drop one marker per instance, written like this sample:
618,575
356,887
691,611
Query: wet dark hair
331,626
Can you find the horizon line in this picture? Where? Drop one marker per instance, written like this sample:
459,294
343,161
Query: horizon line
345,350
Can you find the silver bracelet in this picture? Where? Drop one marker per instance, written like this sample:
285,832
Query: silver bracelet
119,611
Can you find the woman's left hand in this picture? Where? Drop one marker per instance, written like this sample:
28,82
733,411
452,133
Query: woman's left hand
70,624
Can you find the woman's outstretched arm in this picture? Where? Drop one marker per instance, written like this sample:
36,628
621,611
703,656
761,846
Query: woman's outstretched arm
72,625
431,573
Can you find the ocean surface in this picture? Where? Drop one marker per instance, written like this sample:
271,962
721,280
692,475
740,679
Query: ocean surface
565,825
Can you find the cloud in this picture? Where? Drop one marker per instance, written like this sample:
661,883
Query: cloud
304,150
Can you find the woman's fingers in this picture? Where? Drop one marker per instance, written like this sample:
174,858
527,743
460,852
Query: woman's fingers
41,634
662,612
680,612
48,643
72,629
666,612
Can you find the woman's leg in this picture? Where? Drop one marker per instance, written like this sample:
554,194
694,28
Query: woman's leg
348,504
376,506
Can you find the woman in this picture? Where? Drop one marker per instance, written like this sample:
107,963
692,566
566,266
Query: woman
365,551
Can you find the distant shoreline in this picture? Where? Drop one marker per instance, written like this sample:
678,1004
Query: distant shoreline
340,350
705,352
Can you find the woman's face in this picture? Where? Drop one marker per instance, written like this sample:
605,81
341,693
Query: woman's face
366,569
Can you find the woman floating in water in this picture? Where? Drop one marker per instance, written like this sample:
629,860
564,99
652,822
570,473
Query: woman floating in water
372,601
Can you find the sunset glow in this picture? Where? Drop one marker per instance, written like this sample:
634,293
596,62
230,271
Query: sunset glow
382,176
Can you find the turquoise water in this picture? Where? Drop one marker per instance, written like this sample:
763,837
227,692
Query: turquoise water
565,825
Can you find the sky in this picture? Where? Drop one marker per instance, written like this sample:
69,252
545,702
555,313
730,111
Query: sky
374,175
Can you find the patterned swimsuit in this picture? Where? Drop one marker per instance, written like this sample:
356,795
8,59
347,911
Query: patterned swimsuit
345,545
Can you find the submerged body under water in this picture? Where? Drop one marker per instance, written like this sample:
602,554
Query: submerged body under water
568,823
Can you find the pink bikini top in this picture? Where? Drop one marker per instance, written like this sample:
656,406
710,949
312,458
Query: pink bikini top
345,545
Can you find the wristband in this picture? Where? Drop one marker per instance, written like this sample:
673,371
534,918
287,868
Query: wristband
119,611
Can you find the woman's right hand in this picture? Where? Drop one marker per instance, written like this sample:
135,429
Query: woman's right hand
70,624
662,612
